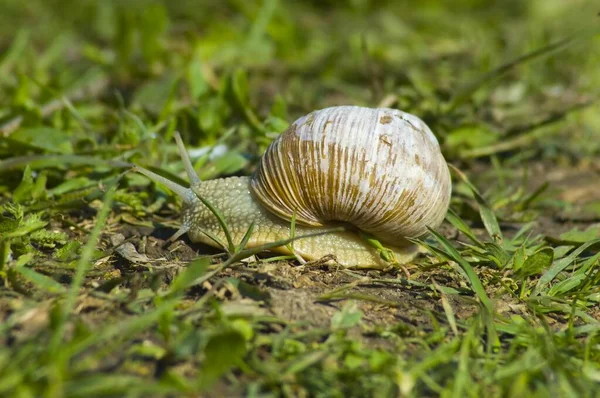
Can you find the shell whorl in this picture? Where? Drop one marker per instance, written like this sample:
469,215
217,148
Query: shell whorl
380,170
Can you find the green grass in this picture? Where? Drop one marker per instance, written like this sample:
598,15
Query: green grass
504,303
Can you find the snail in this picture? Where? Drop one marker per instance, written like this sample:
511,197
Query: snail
379,172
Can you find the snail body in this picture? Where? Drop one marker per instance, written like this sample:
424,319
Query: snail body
378,172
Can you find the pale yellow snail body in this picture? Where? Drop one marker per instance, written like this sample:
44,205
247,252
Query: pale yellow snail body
379,171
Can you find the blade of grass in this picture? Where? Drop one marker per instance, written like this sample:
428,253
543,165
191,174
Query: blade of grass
208,233
560,265
41,281
127,327
443,353
487,214
192,272
304,362
488,312
553,117
14,52
259,27
447,309
245,238
536,263
459,224
59,161
95,83
118,384
220,219
519,141
465,93
524,205
453,255
293,235
81,269
463,378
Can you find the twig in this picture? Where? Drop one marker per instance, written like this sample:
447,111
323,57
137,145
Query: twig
528,133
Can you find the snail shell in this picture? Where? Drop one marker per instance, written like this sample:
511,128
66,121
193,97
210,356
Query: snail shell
380,170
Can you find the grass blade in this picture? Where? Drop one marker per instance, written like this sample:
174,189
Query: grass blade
453,255
560,266
192,272
537,262
463,378
246,238
42,281
487,214
488,312
220,219
447,309
82,267
128,327
459,224
465,94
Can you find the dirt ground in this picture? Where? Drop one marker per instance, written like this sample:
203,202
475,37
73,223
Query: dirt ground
294,293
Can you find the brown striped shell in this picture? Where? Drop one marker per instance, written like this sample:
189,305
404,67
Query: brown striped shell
380,170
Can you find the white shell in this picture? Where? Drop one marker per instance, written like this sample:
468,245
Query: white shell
380,170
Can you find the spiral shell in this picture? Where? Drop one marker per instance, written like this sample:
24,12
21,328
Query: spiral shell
380,170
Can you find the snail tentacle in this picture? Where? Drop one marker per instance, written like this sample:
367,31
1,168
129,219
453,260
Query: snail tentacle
187,196
187,163
183,192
